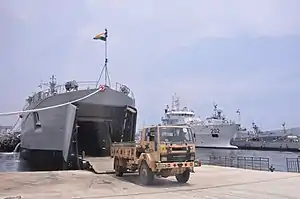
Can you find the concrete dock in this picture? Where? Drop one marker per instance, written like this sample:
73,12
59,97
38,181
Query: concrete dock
207,182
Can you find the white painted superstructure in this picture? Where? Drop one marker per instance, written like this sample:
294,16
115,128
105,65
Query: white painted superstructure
213,132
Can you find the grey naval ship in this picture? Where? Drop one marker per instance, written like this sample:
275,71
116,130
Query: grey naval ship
282,140
212,132
56,138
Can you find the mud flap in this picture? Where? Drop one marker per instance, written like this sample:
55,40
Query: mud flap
68,130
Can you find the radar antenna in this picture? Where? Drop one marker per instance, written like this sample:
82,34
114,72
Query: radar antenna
284,129
215,110
239,115
52,84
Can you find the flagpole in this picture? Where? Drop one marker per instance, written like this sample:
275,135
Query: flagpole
105,57
104,69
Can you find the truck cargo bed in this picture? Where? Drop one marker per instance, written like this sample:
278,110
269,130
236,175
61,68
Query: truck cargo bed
125,144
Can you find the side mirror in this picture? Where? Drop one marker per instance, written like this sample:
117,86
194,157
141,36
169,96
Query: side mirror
150,134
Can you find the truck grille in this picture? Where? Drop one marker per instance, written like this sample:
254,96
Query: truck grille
179,149
178,157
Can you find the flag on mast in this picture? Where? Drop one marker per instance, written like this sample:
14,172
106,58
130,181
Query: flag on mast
102,36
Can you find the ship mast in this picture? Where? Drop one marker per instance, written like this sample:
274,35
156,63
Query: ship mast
175,103
255,128
284,129
104,69
52,84
215,110
239,115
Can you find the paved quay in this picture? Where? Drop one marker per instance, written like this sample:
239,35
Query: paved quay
207,182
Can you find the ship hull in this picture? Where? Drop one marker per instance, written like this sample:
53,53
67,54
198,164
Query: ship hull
215,136
275,140
267,145
99,119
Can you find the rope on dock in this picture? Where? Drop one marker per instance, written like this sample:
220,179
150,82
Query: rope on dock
50,107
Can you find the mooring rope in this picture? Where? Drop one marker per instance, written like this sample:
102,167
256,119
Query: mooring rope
51,107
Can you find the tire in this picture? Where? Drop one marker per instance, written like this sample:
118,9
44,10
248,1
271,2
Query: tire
117,167
184,177
145,174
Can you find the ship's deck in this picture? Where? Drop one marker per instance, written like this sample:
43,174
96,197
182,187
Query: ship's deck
207,182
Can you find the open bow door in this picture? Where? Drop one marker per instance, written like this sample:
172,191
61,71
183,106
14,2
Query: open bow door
129,125
69,129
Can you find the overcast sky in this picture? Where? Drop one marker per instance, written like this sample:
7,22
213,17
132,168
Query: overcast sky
239,54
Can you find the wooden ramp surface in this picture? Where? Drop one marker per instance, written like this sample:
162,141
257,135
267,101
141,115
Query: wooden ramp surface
101,164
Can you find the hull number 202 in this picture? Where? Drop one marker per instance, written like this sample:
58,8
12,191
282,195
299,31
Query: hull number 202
215,132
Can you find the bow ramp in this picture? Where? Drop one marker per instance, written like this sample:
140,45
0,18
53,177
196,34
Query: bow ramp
105,164
100,165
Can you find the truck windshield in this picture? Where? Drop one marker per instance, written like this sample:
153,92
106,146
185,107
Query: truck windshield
175,134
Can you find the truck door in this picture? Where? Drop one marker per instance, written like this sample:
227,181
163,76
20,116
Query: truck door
129,125
151,139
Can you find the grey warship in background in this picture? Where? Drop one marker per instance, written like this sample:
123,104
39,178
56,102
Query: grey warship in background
57,137
212,132
282,140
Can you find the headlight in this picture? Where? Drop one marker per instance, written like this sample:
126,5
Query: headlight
164,159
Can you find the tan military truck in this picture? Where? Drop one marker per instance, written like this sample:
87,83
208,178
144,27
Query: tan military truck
161,151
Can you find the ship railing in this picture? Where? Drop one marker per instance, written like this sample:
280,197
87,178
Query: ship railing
41,95
293,165
244,162
83,85
124,89
218,122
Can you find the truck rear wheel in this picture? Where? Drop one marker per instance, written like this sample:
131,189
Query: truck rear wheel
146,175
183,177
117,167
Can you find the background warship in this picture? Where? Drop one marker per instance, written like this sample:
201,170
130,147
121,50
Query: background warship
212,132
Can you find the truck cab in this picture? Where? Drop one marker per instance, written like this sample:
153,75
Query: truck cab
169,143
163,150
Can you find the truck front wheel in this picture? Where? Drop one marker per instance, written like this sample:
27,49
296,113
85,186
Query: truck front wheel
146,175
117,167
183,177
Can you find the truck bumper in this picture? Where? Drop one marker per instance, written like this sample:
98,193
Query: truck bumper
171,165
